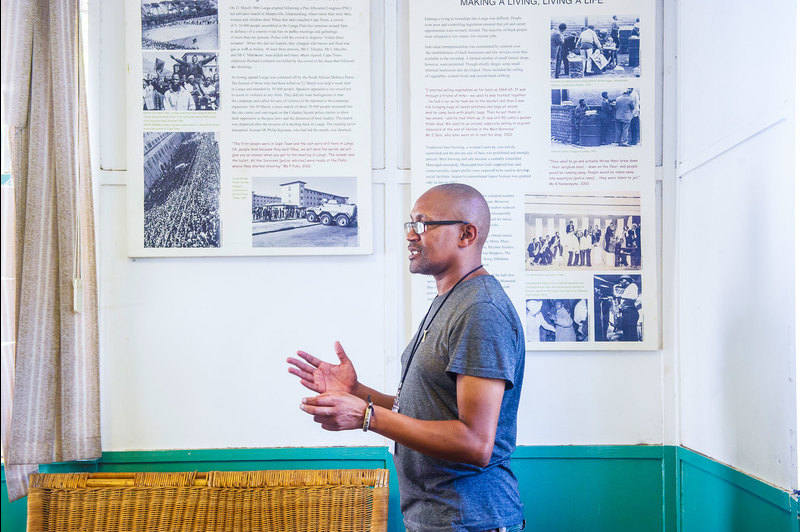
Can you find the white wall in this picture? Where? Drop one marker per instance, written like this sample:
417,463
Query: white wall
192,357
735,235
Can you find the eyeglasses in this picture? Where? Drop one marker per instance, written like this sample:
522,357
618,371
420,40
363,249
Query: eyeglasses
420,227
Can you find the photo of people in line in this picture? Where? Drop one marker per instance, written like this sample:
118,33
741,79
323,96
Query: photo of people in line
180,24
618,308
556,320
583,232
594,118
187,82
594,46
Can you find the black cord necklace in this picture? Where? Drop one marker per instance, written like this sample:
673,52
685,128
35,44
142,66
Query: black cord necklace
424,330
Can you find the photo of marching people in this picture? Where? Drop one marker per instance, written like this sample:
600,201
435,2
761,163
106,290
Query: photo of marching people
180,25
581,118
618,308
181,190
183,82
556,320
583,232
594,46
313,212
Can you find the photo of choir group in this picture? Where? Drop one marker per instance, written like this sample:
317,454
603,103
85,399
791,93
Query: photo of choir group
569,242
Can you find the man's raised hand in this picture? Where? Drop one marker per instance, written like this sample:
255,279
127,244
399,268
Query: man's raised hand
322,377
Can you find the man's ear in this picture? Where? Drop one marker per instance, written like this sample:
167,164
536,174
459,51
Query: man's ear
468,235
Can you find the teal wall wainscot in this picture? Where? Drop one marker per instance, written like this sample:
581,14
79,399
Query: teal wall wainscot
615,488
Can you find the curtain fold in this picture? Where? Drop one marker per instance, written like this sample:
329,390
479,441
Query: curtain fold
55,413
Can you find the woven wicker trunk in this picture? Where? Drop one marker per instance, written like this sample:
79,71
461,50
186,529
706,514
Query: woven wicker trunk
306,500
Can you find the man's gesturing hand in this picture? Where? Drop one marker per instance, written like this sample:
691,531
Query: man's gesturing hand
322,377
336,410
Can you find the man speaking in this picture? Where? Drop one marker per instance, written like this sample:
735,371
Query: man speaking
454,415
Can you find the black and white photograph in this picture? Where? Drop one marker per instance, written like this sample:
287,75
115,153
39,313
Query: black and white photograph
309,212
180,81
589,118
180,25
181,190
601,47
618,308
556,320
583,232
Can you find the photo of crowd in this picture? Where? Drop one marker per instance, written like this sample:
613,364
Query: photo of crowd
595,118
595,46
586,239
556,320
190,83
180,24
182,189
618,308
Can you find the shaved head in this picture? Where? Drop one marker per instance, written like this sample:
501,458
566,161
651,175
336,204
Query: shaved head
465,203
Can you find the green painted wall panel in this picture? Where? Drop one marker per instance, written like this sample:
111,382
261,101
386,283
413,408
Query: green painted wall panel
715,497
13,517
564,488
591,494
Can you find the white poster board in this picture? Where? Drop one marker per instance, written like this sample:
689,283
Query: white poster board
547,107
249,128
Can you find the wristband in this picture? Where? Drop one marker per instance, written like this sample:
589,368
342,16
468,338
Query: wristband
368,414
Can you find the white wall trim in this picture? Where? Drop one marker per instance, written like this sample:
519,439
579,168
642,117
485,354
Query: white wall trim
731,140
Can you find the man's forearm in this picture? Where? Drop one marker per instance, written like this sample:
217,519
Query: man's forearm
450,440
379,399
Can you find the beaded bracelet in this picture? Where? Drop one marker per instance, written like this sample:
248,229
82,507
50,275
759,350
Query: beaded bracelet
368,414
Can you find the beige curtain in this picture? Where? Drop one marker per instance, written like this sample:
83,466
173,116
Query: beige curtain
54,391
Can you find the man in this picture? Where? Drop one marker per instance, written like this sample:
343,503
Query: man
535,322
147,95
177,98
565,332
635,124
581,318
556,41
586,248
624,115
615,30
454,415
195,68
578,117
606,119
588,42
570,40
628,307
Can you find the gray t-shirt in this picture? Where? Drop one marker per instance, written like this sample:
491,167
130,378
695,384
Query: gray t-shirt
478,333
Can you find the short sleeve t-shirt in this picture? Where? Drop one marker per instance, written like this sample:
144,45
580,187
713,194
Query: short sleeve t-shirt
478,333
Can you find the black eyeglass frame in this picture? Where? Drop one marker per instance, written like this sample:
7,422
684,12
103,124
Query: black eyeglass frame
408,226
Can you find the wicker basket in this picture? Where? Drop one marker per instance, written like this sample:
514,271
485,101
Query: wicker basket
306,500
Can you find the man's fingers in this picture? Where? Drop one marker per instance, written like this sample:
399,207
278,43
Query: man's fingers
337,347
320,400
315,411
300,369
311,359
311,385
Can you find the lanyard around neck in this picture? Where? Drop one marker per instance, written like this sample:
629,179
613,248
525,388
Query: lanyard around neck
423,330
